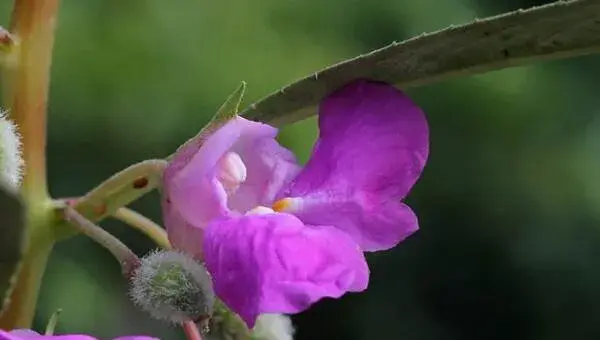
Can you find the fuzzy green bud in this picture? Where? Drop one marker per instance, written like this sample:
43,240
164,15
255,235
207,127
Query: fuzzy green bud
173,287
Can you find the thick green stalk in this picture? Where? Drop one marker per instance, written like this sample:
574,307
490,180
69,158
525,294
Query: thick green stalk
27,82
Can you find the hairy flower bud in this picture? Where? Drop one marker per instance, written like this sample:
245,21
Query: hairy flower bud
173,287
11,162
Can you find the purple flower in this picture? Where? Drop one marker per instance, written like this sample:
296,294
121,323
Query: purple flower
27,334
277,238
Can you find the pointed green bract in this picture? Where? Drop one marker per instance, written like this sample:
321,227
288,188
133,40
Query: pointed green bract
231,106
52,322
12,231
559,30
227,111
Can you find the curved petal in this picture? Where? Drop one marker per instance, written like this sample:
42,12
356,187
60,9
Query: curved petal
372,147
183,234
19,334
193,194
27,334
273,263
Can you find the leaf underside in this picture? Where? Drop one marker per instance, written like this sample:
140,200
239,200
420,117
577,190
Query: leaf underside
559,30
12,231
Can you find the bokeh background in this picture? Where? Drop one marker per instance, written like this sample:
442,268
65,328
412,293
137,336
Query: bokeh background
509,204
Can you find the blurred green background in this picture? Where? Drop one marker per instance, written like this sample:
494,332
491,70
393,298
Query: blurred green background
509,204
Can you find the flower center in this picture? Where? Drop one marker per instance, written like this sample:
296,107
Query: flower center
231,172
286,204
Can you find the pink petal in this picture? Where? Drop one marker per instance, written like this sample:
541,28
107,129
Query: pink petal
372,148
273,263
19,334
193,195
27,334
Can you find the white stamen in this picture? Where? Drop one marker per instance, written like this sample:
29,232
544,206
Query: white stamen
232,172
260,210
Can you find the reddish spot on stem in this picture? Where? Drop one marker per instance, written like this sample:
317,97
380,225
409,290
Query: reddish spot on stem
100,209
140,183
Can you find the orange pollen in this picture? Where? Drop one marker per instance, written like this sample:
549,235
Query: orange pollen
282,204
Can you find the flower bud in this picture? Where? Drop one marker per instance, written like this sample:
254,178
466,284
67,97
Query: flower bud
173,287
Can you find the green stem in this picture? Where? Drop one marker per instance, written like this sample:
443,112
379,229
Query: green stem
144,225
23,298
121,189
27,82
115,192
26,96
127,258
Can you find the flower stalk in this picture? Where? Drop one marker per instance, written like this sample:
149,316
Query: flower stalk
145,225
128,260
191,331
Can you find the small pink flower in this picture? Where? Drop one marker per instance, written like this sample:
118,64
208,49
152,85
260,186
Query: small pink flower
27,334
277,237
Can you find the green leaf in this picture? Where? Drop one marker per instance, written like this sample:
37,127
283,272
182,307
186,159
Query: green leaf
559,30
12,231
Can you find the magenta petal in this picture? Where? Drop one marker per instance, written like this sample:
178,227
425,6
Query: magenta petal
193,195
27,334
275,264
372,148
19,334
